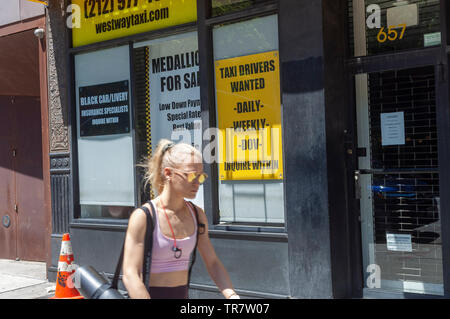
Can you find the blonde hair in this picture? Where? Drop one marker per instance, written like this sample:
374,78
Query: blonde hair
167,154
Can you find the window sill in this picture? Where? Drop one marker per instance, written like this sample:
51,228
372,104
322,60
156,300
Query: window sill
259,233
266,233
100,224
261,228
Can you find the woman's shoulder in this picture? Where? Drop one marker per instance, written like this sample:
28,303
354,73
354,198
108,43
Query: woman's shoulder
137,222
200,212
148,207
139,214
198,208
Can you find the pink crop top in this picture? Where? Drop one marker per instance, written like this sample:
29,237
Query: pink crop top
163,258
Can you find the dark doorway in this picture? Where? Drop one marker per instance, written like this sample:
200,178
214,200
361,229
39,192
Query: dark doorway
21,179
23,228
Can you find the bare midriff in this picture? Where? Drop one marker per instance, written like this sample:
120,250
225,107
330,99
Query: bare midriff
169,279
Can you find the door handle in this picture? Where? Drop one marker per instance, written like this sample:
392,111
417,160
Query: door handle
365,171
357,185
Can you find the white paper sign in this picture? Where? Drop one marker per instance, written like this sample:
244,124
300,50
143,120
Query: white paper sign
392,128
431,39
399,242
175,93
403,14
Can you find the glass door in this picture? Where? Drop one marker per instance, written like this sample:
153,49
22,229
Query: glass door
398,180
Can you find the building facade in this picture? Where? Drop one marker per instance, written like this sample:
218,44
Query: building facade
324,127
25,197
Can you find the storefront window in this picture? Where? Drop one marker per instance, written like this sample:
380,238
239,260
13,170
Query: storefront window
381,26
220,7
104,134
249,120
168,97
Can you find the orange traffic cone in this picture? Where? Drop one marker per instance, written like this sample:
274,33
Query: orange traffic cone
64,287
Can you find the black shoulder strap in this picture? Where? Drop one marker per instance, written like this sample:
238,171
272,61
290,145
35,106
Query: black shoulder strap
115,279
194,252
147,249
148,243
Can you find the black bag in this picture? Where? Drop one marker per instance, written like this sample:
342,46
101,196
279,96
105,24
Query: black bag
92,285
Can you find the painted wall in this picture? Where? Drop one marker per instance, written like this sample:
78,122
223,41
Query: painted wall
12,11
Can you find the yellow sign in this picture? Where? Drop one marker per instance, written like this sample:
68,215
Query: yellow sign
249,114
37,1
102,20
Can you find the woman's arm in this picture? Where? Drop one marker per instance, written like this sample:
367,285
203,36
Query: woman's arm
213,264
134,256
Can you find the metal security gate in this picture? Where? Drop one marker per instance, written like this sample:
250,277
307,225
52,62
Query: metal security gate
23,229
398,180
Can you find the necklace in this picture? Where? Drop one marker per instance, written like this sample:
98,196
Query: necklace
177,251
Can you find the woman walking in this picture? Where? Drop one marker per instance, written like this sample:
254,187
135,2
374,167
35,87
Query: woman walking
175,171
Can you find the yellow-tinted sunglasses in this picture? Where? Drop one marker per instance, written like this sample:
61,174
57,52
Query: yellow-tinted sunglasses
192,176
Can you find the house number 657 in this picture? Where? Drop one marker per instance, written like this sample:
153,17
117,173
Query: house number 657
391,33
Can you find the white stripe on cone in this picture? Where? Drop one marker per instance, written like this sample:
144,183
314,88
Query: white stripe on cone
63,266
66,248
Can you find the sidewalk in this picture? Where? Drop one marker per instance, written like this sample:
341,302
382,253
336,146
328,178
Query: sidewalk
24,280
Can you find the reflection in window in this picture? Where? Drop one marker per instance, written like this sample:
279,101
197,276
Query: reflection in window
383,26
97,211
220,7
244,38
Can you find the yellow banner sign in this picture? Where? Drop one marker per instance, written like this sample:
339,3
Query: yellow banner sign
38,1
102,20
249,115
